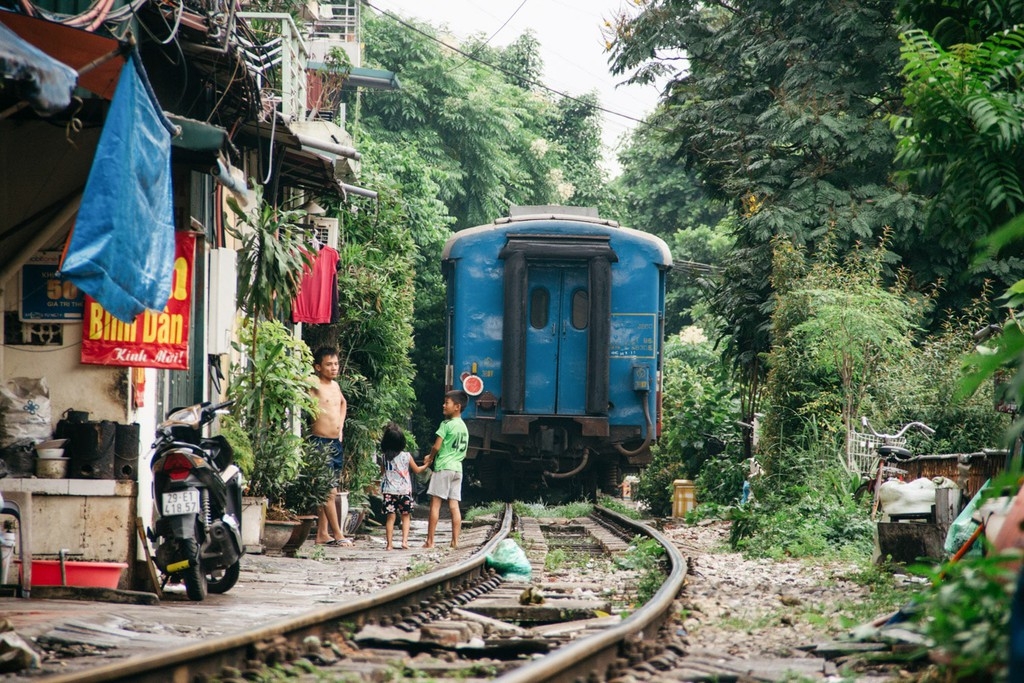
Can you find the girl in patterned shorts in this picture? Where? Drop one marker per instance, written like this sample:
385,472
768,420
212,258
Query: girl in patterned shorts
395,482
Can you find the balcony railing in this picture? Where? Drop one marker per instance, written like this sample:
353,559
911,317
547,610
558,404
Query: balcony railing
287,52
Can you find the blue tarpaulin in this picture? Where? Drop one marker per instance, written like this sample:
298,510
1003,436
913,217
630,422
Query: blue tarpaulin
122,247
46,83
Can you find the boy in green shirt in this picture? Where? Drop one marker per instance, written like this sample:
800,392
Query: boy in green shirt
449,449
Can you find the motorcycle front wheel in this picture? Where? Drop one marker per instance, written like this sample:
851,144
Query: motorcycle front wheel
195,577
224,582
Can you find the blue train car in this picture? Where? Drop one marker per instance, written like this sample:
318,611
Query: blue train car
555,324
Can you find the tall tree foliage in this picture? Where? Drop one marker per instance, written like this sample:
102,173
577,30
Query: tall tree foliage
835,327
374,329
467,121
456,145
964,141
575,125
657,193
781,108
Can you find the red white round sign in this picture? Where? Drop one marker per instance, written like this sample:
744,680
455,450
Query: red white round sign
472,385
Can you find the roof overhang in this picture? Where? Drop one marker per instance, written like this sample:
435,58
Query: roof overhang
358,76
197,142
45,83
303,165
86,53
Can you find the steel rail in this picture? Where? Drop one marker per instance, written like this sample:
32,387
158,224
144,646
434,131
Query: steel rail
210,656
593,654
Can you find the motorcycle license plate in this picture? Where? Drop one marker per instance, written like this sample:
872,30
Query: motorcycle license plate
181,502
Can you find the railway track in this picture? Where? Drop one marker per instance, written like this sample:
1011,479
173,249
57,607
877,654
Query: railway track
458,615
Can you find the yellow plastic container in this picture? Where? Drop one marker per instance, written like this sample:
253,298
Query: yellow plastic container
684,497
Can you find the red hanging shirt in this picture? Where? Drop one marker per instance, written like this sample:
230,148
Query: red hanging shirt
316,299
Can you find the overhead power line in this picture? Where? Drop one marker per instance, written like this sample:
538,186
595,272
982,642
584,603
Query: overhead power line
505,71
481,46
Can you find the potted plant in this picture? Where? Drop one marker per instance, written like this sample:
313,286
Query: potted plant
313,484
310,488
271,389
254,508
269,383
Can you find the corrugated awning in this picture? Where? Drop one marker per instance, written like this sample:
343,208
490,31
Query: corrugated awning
304,162
300,166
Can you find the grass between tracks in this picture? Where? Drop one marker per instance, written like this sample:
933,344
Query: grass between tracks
567,510
534,510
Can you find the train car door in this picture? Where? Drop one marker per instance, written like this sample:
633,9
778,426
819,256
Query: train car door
556,340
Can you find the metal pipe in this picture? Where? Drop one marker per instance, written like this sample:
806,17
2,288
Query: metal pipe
647,437
361,191
573,471
323,146
222,175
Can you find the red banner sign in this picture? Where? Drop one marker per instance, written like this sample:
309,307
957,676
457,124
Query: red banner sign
152,340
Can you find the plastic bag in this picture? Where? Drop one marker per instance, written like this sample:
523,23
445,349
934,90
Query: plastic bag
963,526
26,405
510,561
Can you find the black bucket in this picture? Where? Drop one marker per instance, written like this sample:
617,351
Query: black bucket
126,451
91,450
69,418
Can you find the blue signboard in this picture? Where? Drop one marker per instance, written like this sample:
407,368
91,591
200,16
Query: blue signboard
45,296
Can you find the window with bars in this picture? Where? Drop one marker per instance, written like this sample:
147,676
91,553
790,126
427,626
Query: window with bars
340,20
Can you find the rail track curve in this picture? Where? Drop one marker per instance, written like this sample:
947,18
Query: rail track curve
579,659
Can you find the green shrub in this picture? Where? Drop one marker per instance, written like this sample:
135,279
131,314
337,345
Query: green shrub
965,615
699,405
721,481
802,507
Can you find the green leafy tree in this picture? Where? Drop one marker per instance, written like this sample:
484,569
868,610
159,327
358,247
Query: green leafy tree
374,332
657,192
962,136
576,126
924,385
475,129
780,108
404,175
270,388
836,327
964,142
455,147
268,384
519,63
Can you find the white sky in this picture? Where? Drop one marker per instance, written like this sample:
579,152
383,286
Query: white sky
572,48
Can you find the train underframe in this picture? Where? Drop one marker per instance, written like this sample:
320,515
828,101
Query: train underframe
554,462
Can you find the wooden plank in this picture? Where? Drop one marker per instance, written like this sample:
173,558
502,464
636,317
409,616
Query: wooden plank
551,611
906,542
154,580
95,593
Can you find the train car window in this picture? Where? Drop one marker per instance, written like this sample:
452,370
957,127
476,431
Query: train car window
539,299
580,309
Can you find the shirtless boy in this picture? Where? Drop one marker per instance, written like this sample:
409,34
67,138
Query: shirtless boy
328,430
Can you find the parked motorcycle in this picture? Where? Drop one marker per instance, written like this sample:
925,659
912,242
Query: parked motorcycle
198,494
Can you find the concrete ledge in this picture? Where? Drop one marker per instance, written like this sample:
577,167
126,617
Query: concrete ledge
72,487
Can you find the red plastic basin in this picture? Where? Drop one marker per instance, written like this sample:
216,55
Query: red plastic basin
79,573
